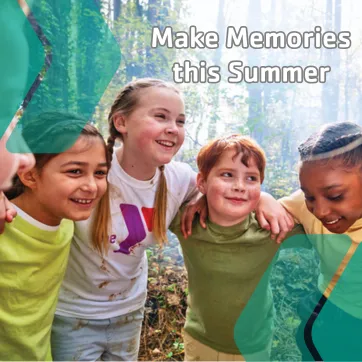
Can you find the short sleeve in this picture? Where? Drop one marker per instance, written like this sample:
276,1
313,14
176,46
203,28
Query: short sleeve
295,205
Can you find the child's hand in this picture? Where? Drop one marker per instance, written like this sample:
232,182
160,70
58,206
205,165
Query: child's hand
272,216
7,211
192,208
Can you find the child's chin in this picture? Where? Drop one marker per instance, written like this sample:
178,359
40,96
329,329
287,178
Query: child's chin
79,216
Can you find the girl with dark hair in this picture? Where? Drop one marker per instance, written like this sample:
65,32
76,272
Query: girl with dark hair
35,246
330,202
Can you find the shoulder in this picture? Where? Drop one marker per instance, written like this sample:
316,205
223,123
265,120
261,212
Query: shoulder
295,204
254,227
66,228
179,170
181,179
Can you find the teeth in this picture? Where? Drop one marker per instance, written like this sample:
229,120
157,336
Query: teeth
332,222
81,201
166,143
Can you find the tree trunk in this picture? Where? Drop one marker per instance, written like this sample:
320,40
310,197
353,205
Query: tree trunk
116,9
215,88
330,94
255,99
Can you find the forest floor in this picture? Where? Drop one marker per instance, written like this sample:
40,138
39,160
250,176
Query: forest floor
165,307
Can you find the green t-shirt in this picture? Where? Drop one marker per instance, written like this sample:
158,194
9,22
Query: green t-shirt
224,266
33,259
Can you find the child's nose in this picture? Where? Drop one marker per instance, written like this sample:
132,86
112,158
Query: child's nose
320,210
90,185
238,185
172,128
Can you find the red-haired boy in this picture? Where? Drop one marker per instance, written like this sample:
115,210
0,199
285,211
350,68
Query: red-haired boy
226,261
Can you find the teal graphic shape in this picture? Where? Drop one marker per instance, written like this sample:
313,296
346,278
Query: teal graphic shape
21,59
82,56
330,250
337,331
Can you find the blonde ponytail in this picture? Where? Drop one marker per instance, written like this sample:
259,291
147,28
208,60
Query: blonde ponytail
159,217
100,226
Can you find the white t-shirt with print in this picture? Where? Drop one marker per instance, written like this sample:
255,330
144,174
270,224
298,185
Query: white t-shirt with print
97,287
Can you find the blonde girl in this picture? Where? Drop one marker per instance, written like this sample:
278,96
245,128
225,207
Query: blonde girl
101,303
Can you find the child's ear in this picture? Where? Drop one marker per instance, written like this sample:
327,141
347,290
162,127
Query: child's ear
200,181
29,178
119,122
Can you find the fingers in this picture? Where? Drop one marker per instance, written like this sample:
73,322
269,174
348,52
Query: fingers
10,215
203,217
183,223
187,218
286,225
290,221
262,220
10,210
7,212
274,227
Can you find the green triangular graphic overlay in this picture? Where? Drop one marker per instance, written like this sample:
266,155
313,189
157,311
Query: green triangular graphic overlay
83,56
337,331
22,58
294,276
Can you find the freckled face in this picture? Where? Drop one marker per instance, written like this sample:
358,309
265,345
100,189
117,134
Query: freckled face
231,188
333,193
154,131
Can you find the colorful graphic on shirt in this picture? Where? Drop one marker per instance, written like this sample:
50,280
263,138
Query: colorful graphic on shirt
135,226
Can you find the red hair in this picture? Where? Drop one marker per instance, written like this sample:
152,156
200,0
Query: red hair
211,153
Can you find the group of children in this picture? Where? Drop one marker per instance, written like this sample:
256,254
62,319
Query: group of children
76,291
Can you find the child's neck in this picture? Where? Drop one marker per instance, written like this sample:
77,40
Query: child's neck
31,205
135,168
225,222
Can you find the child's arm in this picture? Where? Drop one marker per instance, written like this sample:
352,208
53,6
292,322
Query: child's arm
196,206
295,205
272,216
7,212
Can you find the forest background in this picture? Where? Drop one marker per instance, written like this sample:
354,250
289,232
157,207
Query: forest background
278,116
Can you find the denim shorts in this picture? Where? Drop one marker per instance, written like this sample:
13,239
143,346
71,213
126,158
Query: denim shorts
117,339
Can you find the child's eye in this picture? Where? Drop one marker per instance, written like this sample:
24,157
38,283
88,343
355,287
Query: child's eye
75,171
335,198
226,174
181,122
160,115
252,178
101,173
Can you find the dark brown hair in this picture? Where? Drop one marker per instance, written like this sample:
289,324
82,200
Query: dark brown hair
60,130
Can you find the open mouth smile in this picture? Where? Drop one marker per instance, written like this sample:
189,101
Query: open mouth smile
332,222
83,201
166,143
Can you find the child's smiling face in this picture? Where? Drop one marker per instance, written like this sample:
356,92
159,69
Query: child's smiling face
154,131
70,184
333,193
231,188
